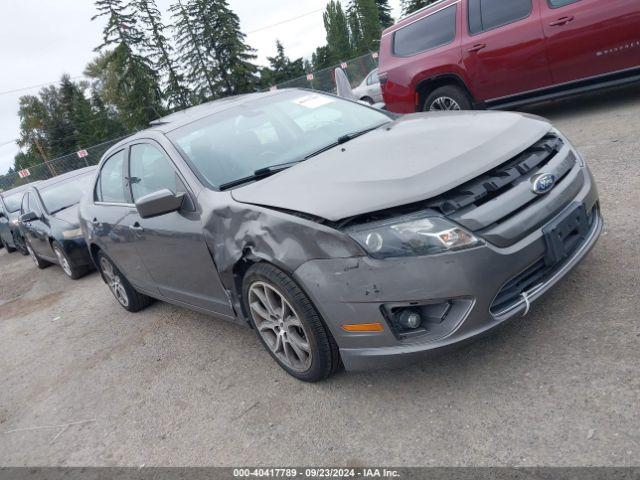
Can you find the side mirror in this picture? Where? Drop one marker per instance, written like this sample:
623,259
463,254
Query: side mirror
159,203
29,217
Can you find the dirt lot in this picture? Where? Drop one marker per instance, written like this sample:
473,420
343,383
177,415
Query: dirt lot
84,383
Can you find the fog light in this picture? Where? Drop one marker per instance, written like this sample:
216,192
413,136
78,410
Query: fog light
409,320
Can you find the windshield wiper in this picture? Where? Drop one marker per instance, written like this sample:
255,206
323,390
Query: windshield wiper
259,174
344,139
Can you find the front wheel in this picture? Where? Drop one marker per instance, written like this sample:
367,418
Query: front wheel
40,263
72,271
128,297
448,98
288,325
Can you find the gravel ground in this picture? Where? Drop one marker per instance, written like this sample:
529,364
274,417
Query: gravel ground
84,383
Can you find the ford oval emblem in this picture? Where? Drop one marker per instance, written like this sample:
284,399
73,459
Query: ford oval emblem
543,183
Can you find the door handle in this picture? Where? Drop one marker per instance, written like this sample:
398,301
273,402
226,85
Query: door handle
477,47
136,227
562,21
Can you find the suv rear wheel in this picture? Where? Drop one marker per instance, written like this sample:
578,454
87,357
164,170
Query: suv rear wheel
288,325
446,98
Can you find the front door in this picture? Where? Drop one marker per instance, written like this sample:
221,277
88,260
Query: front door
36,231
504,50
113,216
586,38
172,246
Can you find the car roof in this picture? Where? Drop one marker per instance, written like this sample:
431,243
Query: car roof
63,177
418,14
19,189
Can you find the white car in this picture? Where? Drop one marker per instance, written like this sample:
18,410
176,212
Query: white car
369,90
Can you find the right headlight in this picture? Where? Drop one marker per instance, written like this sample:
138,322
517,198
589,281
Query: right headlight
412,236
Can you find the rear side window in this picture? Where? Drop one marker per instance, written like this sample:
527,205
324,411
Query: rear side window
488,14
561,3
427,33
110,186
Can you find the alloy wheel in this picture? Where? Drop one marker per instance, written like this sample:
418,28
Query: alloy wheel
280,327
62,260
444,104
32,254
114,281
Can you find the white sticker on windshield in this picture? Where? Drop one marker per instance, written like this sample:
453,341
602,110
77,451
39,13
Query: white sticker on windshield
314,101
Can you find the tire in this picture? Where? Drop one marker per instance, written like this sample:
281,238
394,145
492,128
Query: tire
21,244
298,340
72,271
7,247
127,296
369,100
40,263
448,97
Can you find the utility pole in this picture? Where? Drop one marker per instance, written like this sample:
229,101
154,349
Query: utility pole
52,170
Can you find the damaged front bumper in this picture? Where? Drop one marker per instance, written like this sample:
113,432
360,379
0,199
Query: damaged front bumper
363,290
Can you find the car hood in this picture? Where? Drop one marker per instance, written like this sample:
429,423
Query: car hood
69,215
414,158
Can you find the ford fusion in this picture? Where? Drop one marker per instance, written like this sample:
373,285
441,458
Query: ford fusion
342,234
49,222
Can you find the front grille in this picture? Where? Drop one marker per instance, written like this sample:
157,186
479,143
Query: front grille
498,181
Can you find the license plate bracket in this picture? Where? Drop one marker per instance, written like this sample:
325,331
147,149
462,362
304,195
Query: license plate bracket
565,233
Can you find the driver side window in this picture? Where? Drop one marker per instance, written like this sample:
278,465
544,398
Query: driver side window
33,204
150,171
24,208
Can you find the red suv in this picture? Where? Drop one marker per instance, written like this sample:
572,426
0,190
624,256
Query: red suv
464,54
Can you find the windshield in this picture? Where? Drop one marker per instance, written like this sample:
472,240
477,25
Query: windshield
276,130
66,193
13,201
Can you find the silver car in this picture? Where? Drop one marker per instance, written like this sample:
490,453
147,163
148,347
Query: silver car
369,90
343,235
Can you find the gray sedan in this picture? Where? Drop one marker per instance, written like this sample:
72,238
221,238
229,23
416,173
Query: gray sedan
342,234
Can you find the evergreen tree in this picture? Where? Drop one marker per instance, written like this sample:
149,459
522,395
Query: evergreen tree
140,97
160,52
217,56
192,55
281,68
365,25
320,59
410,6
384,13
338,36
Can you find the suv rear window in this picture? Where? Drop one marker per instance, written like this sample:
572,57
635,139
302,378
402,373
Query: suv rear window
488,14
430,32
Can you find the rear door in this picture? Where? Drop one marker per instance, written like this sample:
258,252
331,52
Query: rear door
586,38
172,246
504,49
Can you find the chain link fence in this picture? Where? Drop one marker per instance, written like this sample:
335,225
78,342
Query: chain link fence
323,80
73,161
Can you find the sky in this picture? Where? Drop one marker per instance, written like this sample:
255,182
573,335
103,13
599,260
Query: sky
42,39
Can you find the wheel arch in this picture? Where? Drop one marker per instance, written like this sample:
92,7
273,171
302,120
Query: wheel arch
428,85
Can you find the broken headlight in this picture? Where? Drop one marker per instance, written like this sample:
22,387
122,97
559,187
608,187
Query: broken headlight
411,236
